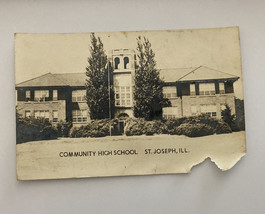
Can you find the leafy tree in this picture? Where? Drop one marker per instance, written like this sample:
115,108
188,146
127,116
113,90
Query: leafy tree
228,117
97,89
240,115
148,93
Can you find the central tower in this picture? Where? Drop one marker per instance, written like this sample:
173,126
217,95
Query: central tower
123,61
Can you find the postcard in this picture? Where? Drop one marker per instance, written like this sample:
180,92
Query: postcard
127,103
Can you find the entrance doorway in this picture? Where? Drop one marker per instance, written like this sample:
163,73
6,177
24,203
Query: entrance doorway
122,122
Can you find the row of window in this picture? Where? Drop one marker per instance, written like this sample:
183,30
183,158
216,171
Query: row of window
43,114
79,96
43,95
123,93
79,116
205,89
211,110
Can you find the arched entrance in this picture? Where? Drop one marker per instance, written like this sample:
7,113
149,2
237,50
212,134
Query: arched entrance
122,117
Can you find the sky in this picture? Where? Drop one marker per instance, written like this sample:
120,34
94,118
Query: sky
219,48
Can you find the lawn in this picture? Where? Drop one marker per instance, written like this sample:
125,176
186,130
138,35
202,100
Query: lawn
124,155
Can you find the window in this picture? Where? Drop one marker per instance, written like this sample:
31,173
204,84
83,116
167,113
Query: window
116,62
221,88
170,92
41,95
27,95
193,110
55,116
123,96
55,94
207,89
126,63
42,114
79,116
79,96
27,113
170,112
192,90
209,110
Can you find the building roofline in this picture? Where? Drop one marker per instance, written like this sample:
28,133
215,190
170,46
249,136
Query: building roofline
32,79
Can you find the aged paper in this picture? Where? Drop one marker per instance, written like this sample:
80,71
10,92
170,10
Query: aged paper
128,103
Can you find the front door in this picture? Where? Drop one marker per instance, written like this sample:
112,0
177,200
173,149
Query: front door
121,126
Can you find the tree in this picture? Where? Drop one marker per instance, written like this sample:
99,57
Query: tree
148,94
240,115
228,117
97,89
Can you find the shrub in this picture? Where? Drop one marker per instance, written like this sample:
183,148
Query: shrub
135,126
76,132
31,129
159,127
95,128
154,127
223,128
63,128
138,126
171,124
194,130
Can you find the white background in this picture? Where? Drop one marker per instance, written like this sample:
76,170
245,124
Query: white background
206,189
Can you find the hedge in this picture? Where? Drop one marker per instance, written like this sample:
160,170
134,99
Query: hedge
139,126
193,126
31,129
95,128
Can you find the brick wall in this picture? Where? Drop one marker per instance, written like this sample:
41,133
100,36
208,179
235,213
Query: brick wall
218,100
48,105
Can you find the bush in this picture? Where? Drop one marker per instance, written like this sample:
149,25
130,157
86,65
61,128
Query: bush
171,124
135,126
63,128
223,128
96,128
31,129
194,130
194,126
138,126
159,127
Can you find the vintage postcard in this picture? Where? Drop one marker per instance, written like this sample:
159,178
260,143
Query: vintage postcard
127,103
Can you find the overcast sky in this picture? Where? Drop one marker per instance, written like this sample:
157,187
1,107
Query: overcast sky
37,54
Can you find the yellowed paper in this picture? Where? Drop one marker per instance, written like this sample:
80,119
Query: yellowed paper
201,80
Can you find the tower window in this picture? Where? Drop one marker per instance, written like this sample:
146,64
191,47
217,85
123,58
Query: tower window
117,62
126,62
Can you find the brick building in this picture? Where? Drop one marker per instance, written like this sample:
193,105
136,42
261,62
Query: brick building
191,91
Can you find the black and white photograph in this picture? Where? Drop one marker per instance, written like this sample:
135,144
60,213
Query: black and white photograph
127,103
